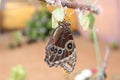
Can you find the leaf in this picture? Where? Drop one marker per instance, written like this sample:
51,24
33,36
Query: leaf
54,23
91,35
59,14
92,20
84,21
114,45
40,24
17,37
18,73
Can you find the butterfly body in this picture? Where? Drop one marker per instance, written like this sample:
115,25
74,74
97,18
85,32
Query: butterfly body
61,50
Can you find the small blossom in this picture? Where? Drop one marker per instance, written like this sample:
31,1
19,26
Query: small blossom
79,77
94,70
85,74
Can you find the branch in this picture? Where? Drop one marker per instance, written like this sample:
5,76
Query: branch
104,66
75,5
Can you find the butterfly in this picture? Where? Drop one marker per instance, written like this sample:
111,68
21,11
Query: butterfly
61,50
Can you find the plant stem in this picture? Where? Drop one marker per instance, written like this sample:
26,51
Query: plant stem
102,73
98,56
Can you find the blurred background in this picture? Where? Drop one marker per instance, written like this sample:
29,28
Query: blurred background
25,29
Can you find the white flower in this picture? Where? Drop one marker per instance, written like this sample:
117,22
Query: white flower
83,75
79,77
86,73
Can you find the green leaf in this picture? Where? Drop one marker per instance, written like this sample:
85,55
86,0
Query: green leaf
92,20
54,22
91,35
59,14
17,37
114,45
48,25
18,73
40,24
34,34
84,22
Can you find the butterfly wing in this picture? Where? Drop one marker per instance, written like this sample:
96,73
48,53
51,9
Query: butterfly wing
61,49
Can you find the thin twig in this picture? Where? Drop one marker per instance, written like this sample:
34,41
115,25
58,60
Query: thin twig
76,5
104,66
97,50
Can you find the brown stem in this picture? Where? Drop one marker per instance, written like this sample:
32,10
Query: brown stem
75,5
